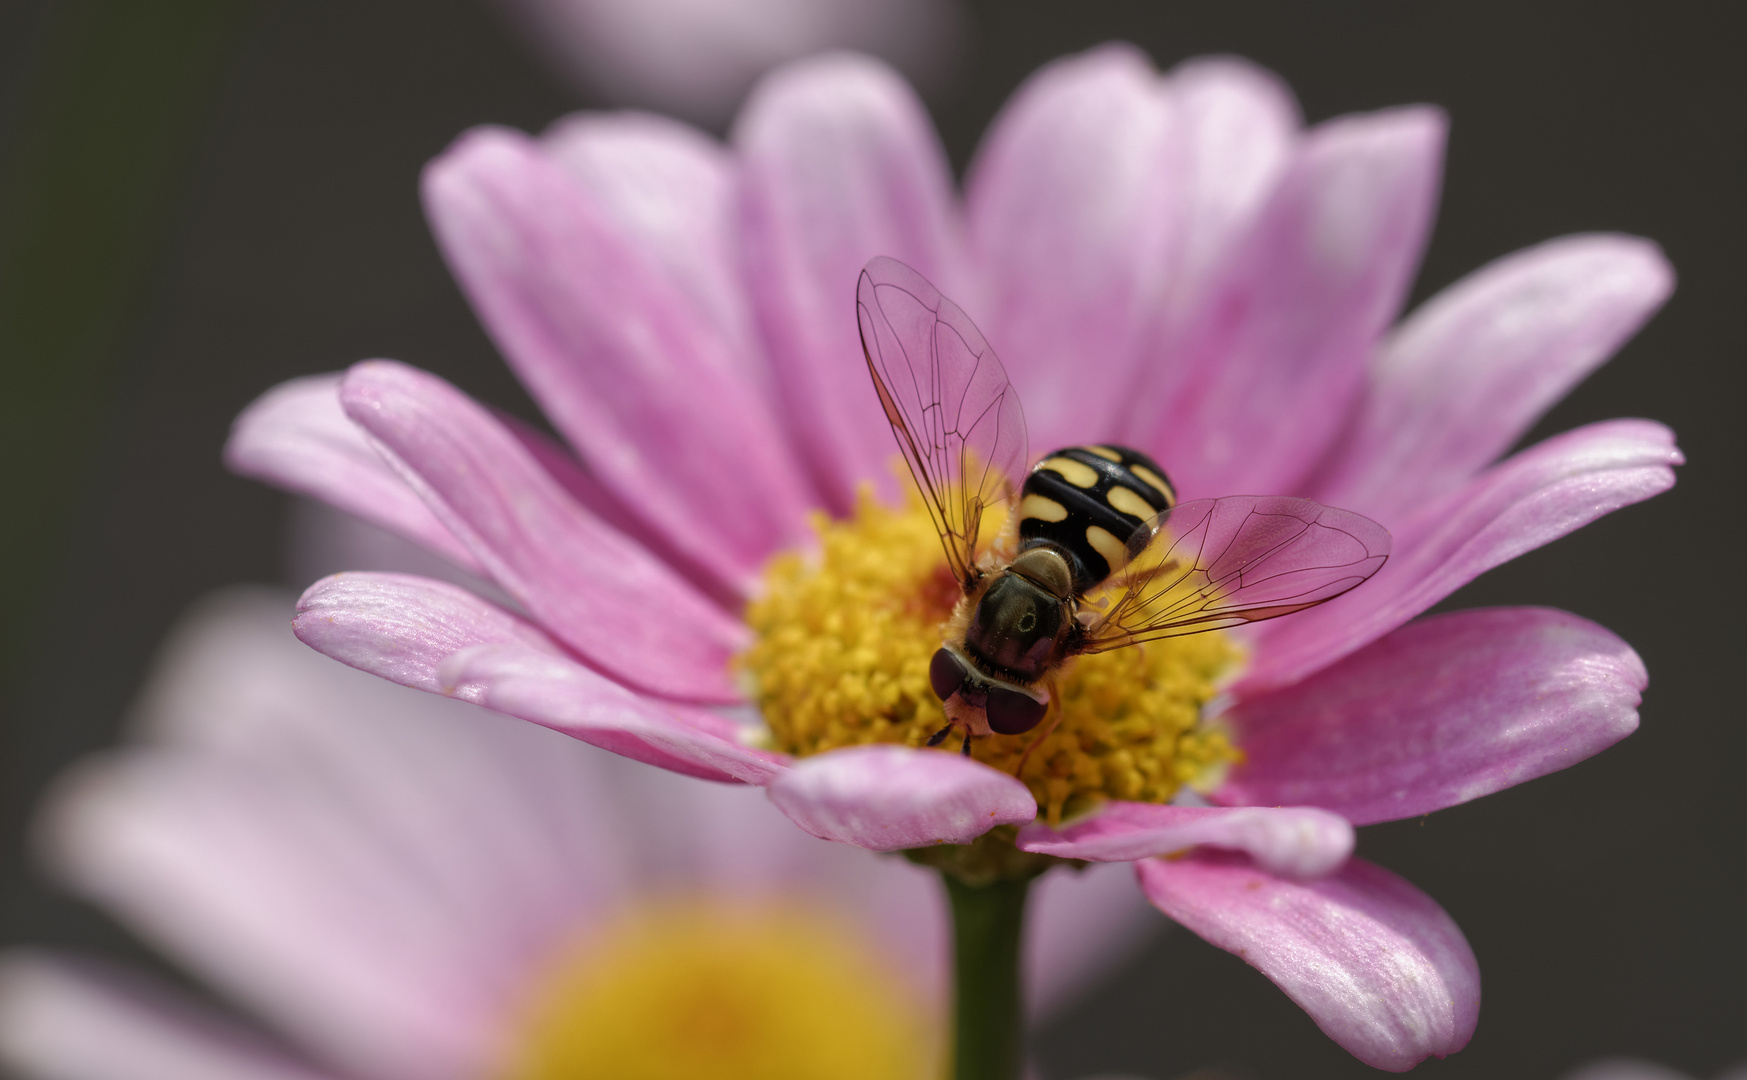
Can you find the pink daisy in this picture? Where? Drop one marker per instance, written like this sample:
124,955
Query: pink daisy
1167,261
697,58
403,889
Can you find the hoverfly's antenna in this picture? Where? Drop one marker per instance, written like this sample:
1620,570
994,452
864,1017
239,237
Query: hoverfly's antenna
966,748
940,736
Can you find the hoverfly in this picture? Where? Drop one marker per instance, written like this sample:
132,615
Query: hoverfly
1097,519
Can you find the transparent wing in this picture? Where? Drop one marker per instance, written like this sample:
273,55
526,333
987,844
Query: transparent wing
1216,563
955,415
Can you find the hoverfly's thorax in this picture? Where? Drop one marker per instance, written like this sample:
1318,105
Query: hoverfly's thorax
1093,504
1048,569
1017,628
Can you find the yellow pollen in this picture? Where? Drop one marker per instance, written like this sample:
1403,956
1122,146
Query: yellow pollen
690,991
841,653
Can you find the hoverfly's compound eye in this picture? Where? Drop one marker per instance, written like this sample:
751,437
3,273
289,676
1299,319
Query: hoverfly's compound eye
1011,712
945,673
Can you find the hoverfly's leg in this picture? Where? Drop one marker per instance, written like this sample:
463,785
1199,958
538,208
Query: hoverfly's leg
940,736
966,748
1055,708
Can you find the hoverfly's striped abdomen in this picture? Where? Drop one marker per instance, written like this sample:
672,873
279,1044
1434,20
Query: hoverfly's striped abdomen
1093,503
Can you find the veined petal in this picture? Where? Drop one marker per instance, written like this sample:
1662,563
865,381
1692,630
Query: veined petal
1439,712
1239,127
1528,500
402,627
436,637
1079,927
1623,1068
629,365
296,436
285,901
561,694
1074,203
1292,841
1374,961
670,190
66,1019
424,776
886,797
1267,369
1472,369
603,595
839,164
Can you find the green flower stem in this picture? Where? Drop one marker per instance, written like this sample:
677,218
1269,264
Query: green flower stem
988,1021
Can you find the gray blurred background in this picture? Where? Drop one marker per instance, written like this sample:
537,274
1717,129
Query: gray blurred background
199,198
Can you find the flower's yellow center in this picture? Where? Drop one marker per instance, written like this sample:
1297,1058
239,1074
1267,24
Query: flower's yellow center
693,992
843,641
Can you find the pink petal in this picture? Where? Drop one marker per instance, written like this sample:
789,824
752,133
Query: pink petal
436,637
1265,374
1531,499
449,848
886,797
286,901
485,809
63,1019
697,58
1075,204
1374,961
1293,841
402,627
587,584
588,492
296,436
321,540
727,841
1468,373
559,693
671,191
1623,1068
1080,926
839,164
1238,124
1439,712
627,362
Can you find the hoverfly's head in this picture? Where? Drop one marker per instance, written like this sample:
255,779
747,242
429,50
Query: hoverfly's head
1007,709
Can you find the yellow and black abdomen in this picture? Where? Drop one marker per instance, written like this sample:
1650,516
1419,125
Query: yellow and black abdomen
1093,503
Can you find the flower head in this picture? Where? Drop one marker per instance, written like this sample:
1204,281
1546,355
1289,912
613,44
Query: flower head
1170,262
696,59
402,888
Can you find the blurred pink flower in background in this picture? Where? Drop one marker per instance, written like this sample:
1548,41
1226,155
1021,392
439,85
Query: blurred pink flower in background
1601,1069
1622,1068
386,879
697,58
1171,262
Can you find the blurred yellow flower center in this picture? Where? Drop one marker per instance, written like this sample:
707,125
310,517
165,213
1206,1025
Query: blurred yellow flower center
695,992
840,658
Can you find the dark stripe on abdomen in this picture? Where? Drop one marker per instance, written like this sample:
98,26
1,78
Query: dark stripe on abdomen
1079,489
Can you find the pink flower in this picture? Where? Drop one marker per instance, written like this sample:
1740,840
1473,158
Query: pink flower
1621,1068
387,879
697,58
1170,262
